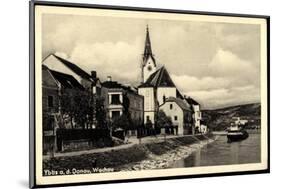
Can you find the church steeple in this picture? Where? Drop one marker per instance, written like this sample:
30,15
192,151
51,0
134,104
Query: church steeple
148,65
147,48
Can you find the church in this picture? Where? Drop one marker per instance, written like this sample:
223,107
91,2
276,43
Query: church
159,92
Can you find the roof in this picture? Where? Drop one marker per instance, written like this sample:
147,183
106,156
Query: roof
116,85
111,84
182,104
160,78
66,80
147,48
191,101
44,67
74,68
179,95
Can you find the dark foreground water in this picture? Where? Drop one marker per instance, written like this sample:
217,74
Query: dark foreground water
222,153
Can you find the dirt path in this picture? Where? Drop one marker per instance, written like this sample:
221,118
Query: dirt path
131,141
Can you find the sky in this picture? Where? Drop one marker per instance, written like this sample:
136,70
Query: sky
217,64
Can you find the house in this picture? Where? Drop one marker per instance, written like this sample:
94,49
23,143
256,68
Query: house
240,121
203,127
118,96
88,82
156,84
53,85
180,113
197,115
50,108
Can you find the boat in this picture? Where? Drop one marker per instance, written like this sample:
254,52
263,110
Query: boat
236,133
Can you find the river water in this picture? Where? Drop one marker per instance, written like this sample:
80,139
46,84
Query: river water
222,153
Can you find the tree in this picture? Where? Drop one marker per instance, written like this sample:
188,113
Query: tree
100,113
163,120
79,106
121,122
148,124
126,113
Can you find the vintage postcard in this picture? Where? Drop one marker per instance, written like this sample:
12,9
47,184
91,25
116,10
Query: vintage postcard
126,95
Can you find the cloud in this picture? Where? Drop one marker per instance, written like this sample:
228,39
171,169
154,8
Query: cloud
230,66
226,97
231,80
116,59
216,63
188,83
226,63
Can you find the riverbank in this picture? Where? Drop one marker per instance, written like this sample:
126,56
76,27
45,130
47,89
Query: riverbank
184,147
158,153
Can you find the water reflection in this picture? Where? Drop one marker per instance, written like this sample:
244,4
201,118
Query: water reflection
222,153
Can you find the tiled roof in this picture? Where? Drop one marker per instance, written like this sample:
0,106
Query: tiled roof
66,80
74,68
160,78
182,104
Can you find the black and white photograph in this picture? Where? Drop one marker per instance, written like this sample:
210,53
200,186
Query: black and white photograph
128,94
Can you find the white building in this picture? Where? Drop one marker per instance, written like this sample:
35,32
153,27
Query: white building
240,121
157,84
203,128
197,115
180,113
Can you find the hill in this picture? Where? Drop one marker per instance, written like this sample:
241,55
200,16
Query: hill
220,119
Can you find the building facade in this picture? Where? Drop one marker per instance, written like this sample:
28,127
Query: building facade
50,109
54,85
117,97
197,115
180,113
89,82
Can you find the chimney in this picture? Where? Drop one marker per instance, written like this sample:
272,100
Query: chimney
94,74
109,78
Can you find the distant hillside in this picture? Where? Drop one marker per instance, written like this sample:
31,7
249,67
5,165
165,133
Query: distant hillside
220,119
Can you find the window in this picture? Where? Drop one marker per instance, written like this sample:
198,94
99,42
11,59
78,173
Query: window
115,114
164,99
50,101
115,99
176,118
171,106
94,89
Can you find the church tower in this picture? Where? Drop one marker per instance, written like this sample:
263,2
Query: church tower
148,65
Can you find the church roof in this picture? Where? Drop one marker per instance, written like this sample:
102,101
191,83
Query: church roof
181,103
160,78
